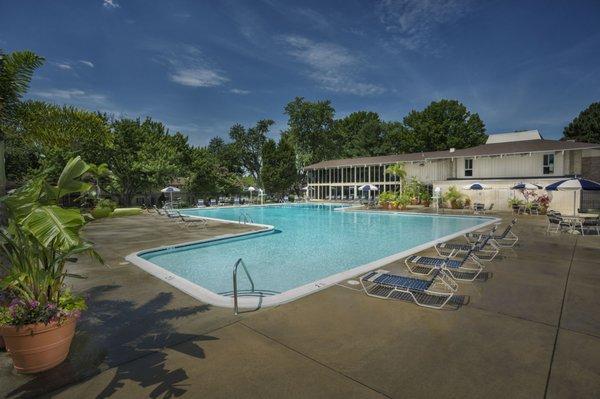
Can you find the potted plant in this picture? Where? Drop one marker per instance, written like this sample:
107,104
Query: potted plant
454,197
40,239
515,204
403,200
543,201
425,198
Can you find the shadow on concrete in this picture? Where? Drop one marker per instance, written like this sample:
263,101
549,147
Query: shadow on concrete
112,334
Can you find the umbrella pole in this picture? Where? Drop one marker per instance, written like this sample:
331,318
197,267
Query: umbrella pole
574,202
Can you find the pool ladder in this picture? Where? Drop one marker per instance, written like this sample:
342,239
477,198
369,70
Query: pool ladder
245,218
235,287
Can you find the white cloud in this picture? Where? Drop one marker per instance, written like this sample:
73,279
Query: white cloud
187,65
239,91
110,4
413,24
64,66
72,95
87,63
331,65
198,77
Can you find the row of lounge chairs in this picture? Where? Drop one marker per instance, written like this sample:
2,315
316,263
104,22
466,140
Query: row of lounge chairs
459,262
184,221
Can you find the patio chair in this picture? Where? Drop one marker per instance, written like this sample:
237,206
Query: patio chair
200,204
591,225
440,288
534,208
192,222
557,224
507,239
458,269
448,248
478,208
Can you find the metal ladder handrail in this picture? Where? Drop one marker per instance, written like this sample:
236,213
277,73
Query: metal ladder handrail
235,290
246,218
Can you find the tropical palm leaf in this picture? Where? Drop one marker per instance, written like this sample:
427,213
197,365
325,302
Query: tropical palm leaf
54,226
69,180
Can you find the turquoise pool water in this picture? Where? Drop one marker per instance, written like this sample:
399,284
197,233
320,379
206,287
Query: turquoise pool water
309,242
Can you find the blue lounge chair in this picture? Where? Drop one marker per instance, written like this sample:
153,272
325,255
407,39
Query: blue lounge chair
440,287
459,268
485,248
507,239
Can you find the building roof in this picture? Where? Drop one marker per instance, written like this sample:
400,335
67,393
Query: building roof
494,149
514,136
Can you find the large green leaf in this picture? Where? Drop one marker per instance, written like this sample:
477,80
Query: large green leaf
69,180
54,226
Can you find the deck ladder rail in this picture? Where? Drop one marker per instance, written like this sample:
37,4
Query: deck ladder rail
235,285
244,217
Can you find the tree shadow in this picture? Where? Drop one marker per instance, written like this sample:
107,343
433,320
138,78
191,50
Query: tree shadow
114,333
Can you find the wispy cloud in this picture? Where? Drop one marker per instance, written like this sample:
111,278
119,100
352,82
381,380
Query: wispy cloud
188,66
331,65
87,63
110,4
239,91
73,96
64,66
198,77
414,24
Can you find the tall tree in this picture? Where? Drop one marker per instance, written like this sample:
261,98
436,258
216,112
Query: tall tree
16,70
310,126
279,167
143,158
59,133
227,154
445,124
249,144
361,134
586,126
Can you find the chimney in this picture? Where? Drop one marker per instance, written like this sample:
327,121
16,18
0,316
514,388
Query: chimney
452,149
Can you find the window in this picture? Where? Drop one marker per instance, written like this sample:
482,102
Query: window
468,167
548,164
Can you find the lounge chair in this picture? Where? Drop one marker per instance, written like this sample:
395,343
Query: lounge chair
459,269
478,208
384,285
480,251
192,222
591,225
161,212
507,239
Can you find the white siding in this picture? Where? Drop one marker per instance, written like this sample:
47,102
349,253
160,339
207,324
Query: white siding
510,166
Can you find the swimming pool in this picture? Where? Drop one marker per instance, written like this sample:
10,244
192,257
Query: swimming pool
302,248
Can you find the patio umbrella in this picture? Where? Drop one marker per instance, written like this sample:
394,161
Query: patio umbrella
576,184
526,186
369,188
170,190
251,189
476,186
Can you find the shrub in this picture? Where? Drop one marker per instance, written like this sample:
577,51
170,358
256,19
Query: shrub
454,197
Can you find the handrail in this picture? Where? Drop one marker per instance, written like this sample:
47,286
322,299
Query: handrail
235,289
246,218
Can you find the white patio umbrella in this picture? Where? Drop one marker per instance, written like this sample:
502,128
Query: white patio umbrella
370,188
170,190
576,184
251,189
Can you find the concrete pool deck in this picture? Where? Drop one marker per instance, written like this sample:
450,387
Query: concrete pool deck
531,330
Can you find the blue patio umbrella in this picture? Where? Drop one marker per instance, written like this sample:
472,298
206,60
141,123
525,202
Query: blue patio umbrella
576,184
368,188
526,186
475,186
170,190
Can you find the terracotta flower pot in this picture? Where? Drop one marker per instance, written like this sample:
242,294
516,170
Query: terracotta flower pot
38,347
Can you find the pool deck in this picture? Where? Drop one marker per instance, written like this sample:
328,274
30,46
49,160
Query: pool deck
531,330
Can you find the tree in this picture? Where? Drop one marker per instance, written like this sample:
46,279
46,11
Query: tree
310,126
361,134
143,158
445,124
399,171
249,144
279,167
586,126
227,154
16,70
59,133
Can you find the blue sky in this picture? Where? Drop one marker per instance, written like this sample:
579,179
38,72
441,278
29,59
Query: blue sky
200,67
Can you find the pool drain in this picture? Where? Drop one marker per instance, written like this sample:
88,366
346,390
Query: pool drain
352,282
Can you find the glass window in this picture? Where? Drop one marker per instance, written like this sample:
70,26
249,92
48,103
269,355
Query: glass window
469,167
548,164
